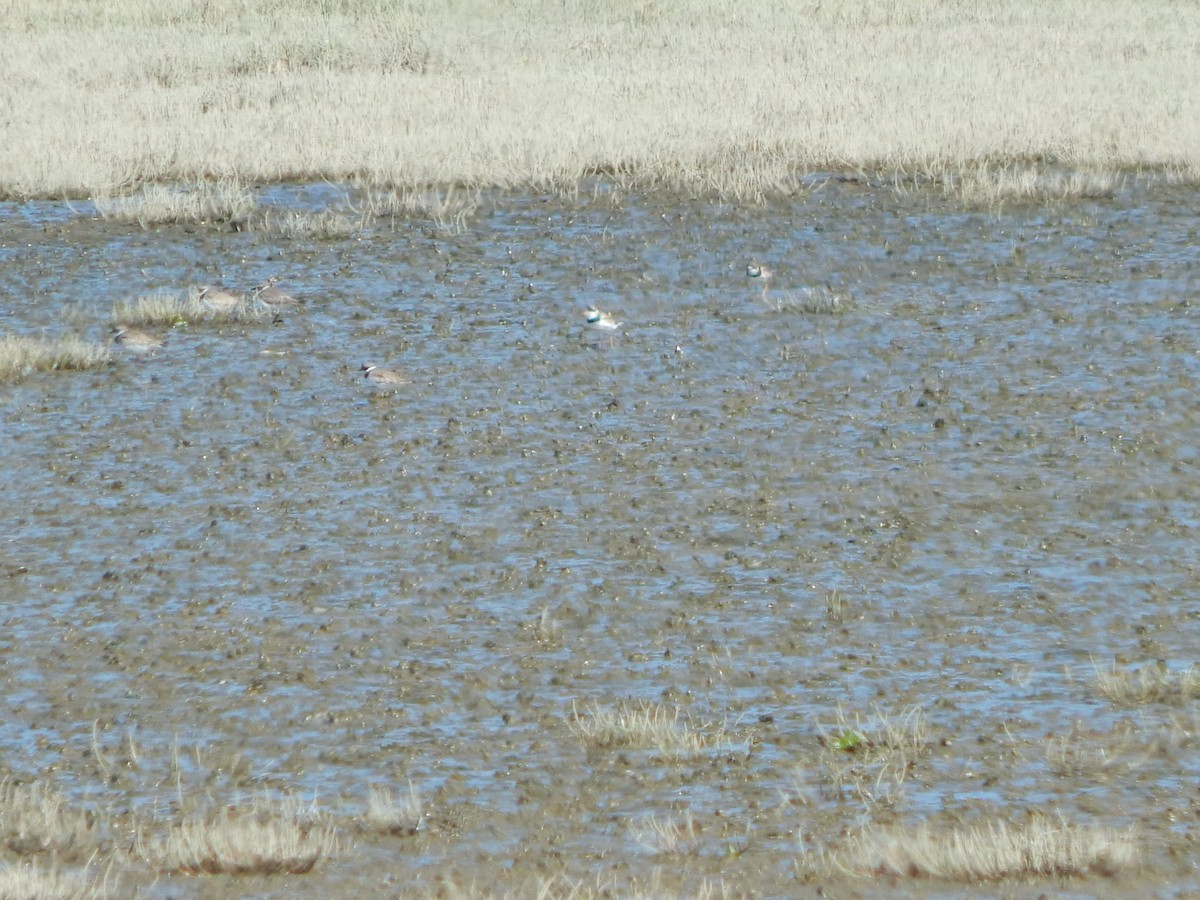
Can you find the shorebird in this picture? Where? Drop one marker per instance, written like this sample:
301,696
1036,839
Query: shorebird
821,299
134,340
219,299
754,270
601,323
382,379
275,298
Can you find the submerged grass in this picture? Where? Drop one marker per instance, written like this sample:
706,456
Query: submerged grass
19,356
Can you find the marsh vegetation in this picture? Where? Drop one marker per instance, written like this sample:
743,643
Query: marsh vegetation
741,101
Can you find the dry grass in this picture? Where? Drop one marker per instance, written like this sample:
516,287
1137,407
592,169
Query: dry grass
19,356
644,726
545,629
672,836
390,815
264,839
603,887
221,202
991,851
450,209
700,97
176,310
991,185
835,606
31,882
324,226
1150,683
873,758
34,818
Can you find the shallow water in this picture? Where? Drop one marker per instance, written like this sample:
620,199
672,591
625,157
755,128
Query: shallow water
962,493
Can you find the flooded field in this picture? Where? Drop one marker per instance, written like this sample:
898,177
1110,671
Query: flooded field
943,478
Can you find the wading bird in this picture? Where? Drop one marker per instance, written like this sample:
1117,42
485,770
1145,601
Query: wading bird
383,380
134,340
219,299
821,299
275,299
754,270
602,325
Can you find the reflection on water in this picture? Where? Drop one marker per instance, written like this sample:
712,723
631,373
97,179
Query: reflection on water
990,457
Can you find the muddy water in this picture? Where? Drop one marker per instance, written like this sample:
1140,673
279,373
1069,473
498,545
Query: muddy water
231,568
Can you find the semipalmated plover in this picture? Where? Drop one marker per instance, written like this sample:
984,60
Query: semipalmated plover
273,296
754,270
602,324
382,379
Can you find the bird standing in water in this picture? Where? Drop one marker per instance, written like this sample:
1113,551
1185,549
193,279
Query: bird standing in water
754,270
135,341
602,325
382,380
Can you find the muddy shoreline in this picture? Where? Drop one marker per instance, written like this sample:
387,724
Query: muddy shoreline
230,569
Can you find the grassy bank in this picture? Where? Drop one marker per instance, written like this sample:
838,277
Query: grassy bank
741,99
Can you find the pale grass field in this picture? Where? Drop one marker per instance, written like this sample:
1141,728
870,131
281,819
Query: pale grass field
740,99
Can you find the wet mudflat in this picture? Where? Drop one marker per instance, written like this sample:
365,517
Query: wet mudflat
232,568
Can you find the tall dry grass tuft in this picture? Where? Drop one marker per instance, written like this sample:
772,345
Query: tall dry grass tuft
391,815
265,838
176,310
221,202
35,818
322,226
994,185
873,758
991,851
450,210
644,726
1148,684
31,882
676,835
19,356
